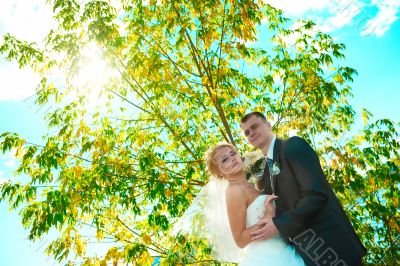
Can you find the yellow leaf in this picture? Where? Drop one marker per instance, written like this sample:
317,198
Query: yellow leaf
139,141
163,177
334,164
372,182
78,171
98,143
168,193
67,241
106,149
145,259
364,115
184,186
338,78
95,155
146,239
189,197
99,234
80,248
19,152
75,213
60,160
360,138
117,164
121,137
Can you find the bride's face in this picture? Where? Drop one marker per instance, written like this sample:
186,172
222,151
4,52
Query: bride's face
228,161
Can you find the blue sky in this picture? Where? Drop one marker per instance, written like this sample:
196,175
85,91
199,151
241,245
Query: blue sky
369,29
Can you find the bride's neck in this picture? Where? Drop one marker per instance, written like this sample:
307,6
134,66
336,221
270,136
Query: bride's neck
240,178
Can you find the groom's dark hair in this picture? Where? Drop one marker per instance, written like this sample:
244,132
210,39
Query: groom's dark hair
255,113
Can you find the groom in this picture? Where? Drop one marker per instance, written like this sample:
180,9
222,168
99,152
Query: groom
308,214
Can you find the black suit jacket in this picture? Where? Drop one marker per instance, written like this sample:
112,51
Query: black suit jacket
308,213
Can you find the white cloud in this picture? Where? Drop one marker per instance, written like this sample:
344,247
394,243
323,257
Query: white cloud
9,155
299,7
386,16
2,180
28,20
7,160
335,14
290,39
329,14
343,15
17,83
10,163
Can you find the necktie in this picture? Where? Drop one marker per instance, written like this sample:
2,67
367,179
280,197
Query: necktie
269,161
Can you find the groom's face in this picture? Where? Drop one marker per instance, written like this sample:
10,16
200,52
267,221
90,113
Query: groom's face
257,131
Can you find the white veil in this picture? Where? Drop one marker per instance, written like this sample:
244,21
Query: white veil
207,218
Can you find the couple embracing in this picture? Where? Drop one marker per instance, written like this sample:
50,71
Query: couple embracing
289,218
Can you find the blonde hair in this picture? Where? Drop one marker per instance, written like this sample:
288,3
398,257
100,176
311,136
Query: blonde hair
211,165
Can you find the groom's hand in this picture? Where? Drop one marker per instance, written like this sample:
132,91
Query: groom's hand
267,231
270,206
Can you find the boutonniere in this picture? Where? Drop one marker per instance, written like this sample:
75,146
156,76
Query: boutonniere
254,165
275,169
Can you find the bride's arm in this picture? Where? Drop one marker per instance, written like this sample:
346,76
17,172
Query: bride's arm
236,206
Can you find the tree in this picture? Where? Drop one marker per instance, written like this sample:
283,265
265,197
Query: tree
125,171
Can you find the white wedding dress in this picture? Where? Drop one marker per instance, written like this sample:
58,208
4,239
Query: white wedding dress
273,251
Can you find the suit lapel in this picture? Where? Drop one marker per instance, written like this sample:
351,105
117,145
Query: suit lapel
276,160
267,185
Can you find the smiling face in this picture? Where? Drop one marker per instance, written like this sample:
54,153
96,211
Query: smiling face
228,161
258,132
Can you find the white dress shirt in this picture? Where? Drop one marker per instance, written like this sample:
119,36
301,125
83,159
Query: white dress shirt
270,153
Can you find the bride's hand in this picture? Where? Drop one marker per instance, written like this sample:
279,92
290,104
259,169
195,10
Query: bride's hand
269,206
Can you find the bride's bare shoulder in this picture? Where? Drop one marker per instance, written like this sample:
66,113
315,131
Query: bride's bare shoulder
235,191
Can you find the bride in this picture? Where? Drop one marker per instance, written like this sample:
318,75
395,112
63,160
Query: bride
245,206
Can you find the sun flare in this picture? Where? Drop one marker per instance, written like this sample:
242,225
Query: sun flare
92,75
